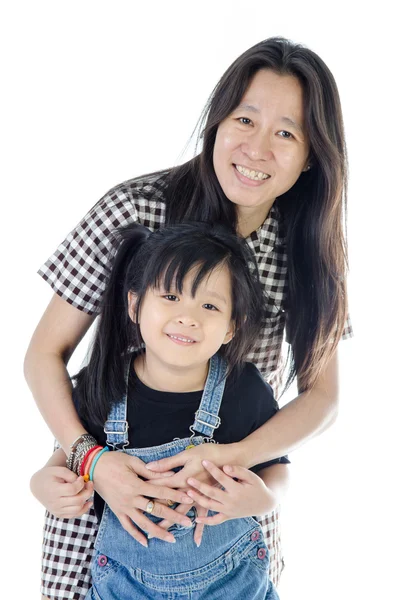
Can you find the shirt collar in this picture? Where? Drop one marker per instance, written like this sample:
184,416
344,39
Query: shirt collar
269,234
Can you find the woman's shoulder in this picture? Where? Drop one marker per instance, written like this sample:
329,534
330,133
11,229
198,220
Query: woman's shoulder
143,195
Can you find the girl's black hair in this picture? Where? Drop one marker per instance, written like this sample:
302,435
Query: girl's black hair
147,260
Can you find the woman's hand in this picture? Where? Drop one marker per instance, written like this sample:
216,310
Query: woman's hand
246,497
191,462
118,480
61,492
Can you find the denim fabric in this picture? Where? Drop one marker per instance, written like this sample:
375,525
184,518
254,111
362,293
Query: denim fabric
232,561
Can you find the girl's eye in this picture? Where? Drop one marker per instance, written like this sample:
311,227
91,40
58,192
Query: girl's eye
245,121
171,297
209,307
285,134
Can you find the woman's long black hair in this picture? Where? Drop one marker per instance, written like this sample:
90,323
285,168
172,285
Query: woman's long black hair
147,260
313,211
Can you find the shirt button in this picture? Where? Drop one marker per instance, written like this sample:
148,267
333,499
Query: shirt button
102,560
261,553
255,536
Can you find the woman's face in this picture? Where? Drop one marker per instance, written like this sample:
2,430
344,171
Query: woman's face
261,148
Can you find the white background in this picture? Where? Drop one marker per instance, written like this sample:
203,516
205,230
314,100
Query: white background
98,92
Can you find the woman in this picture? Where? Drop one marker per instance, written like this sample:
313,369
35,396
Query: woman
273,167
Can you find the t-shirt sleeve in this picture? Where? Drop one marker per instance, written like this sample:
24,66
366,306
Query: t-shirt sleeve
263,406
79,267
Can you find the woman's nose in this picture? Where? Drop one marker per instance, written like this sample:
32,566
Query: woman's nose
258,147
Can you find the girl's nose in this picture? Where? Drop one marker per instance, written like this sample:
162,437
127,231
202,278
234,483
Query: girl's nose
187,320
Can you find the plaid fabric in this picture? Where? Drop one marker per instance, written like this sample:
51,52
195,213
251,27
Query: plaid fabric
78,271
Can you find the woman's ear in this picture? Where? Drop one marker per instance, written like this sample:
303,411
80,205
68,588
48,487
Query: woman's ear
132,300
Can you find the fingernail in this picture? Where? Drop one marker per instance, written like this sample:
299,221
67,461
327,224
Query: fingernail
187,500
172,540
198,544
205,463
149,537
228,468
187,522
144,544
151,465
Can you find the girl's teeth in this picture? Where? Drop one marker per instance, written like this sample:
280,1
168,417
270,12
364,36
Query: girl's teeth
251,174
181,339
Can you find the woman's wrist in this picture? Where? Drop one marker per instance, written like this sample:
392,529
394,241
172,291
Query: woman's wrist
239,453
246,453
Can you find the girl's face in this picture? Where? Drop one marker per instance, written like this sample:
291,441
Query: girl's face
180,330
261,148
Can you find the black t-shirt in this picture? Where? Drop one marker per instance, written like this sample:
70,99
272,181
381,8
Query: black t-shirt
156,417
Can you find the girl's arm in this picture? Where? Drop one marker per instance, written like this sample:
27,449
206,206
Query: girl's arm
308,415
117,475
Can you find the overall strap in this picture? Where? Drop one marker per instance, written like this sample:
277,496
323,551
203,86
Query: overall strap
206,417
116,427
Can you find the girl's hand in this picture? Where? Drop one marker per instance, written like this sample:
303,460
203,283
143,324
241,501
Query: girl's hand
61,492
118,480
247,497
191,461
183,509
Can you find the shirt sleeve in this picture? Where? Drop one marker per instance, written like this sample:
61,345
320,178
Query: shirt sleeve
266,407
79,267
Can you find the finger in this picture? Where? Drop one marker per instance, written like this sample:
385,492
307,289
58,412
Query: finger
199,528
224,478
72,489
207,490
75,512
132,530
240,473
209,503
80,499
181,509
64,474
140,468
165,493
151,528
213,520
164,512
166,464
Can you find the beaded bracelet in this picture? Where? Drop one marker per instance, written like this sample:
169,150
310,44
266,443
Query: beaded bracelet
94,462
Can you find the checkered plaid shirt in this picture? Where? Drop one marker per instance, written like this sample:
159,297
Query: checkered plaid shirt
78,271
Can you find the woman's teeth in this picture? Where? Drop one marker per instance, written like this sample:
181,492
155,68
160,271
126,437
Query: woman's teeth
254,175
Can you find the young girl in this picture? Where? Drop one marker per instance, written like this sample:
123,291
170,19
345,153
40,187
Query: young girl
191,295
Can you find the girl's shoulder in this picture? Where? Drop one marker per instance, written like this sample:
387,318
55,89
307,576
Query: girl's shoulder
248,379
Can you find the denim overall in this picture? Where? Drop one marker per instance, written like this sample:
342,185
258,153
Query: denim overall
231,562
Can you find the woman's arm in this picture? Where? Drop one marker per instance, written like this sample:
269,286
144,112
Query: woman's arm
306,416
58,333
296,423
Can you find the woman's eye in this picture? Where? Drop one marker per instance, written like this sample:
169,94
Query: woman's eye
209,307
285,134
245,120
171,297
